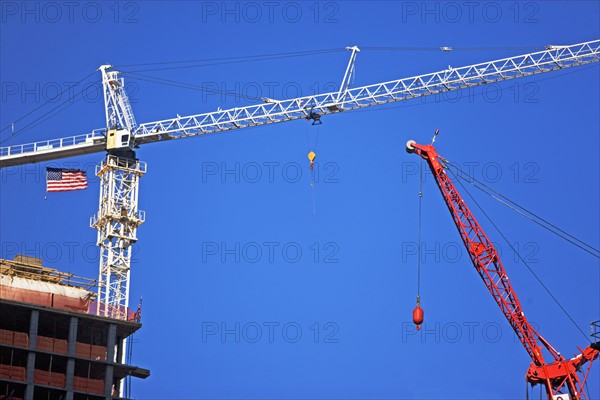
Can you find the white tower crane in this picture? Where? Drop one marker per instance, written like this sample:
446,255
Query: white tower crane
118,216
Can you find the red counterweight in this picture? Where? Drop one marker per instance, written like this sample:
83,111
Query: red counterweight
418,316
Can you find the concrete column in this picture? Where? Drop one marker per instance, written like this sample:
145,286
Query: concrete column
73,324
33,329
108,382
71,353
111,340
110,355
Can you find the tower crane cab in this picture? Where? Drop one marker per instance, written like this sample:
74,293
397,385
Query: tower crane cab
119,142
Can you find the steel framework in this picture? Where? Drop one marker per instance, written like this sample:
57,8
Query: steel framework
118,218
551,59
119,114
560,374
117,221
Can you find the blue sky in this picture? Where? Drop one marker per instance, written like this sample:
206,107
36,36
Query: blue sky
256,285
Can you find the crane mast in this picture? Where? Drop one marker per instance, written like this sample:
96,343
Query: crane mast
558,375
118,216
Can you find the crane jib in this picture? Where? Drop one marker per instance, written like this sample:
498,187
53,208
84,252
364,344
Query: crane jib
276,111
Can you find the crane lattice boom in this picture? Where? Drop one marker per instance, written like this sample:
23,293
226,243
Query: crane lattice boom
556,376
551,59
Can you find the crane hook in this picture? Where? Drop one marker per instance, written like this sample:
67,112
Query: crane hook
315,117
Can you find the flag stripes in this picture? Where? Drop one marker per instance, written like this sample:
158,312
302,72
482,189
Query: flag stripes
65,180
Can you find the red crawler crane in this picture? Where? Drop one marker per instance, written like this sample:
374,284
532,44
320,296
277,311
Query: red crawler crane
560,375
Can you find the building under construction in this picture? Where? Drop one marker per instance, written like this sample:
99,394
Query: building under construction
55,342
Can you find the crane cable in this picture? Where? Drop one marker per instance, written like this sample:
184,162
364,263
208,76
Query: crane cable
520,258
229,60
267,57
233,60
419,232
271,56
184,85
312,147
195,87
48,115
528,214
448,48
45,116
418,311
587,389
47,102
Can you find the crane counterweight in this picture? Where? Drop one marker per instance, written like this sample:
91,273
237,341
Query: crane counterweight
418,314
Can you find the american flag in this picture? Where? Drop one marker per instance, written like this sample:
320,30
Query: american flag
64,180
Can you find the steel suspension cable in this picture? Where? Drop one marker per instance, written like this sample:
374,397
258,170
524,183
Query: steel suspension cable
53,111
47,102
233,60
419,234
520,258
528,214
